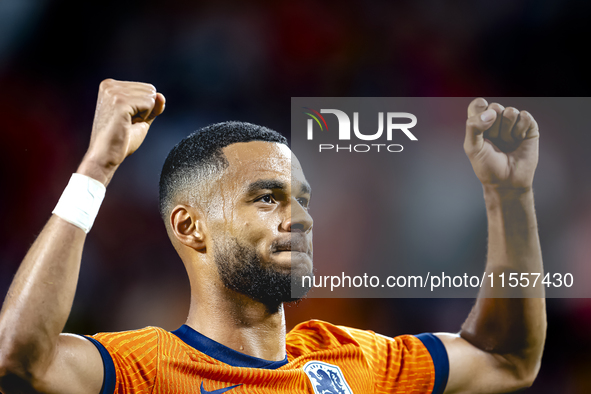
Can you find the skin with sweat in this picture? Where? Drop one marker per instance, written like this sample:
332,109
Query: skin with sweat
261,201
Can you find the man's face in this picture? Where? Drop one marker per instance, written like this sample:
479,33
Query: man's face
262,232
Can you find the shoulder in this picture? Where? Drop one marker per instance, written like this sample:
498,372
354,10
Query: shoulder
123,339
130,358
315,334
420,360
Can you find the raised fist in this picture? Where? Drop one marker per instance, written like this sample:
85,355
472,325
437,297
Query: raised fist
502,145
124,113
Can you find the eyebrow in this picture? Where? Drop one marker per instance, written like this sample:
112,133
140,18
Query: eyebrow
274,184
306,188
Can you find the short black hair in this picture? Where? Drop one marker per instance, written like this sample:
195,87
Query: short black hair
194,157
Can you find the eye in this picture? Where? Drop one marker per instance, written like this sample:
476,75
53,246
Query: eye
267,198
304,202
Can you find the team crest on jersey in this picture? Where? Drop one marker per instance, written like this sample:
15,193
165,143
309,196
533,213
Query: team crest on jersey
326,378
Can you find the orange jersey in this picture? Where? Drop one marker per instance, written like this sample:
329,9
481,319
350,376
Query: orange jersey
321,359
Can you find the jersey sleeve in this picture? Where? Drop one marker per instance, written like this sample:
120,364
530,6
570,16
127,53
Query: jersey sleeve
406,363
438,354
130,360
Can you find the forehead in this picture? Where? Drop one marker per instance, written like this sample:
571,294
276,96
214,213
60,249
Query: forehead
249,161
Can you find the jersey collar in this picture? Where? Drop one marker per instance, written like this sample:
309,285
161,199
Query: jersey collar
223,353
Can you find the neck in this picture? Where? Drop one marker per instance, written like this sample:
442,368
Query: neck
239,322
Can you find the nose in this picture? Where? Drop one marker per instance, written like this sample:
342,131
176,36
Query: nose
298,219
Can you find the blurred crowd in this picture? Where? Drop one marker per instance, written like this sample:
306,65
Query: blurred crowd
231,60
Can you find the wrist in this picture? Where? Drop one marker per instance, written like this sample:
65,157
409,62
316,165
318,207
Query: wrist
92,168
80,201
506,192
495,196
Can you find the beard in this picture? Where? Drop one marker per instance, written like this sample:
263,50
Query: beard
240,268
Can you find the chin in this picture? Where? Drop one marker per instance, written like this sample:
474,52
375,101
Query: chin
267,278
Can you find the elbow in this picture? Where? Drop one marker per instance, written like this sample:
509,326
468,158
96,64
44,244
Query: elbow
523,382
524,374
527,365
528,377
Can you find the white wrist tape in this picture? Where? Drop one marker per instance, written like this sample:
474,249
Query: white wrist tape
80,201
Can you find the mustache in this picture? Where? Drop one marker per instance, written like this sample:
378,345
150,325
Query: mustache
298,243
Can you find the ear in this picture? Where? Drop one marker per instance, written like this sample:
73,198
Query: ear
188,227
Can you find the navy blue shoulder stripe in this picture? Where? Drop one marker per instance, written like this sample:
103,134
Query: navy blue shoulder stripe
223,353
440,361
110,377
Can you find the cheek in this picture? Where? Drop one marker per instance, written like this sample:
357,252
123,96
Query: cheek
251,229
257,230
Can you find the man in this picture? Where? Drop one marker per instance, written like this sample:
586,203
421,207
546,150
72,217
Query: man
234,201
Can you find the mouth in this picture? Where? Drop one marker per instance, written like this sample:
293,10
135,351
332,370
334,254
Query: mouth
290,250
290,246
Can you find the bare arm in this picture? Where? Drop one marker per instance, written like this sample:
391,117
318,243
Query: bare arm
500,346
34,357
